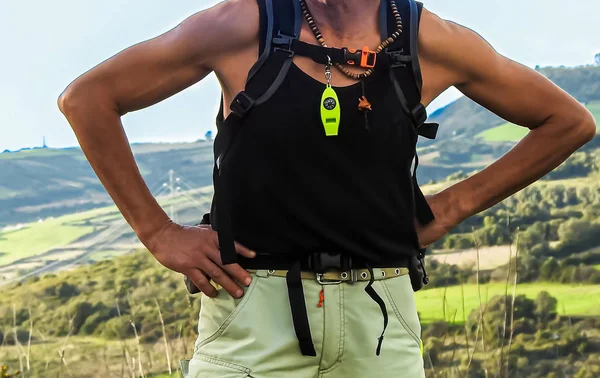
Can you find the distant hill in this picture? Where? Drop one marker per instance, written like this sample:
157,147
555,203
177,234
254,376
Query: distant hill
465,116
52,182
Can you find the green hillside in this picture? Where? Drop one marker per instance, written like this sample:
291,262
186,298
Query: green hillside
76,239
509,132
573,300
45,183
464,117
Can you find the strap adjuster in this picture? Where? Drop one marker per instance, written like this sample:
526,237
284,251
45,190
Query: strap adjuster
397,59
241,104
419,115
364,58
368,58
286,42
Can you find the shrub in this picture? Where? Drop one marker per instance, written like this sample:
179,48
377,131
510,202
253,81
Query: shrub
94,321
64,291
545,308
437,329
119,328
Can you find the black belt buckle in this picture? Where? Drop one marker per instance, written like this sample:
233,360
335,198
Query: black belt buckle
323,262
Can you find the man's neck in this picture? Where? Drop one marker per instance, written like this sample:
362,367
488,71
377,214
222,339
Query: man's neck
344,19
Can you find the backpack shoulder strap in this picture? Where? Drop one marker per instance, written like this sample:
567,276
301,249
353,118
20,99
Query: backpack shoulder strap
405,74
280,22
405,69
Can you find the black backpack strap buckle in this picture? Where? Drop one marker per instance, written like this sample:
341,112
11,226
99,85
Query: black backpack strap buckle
397,59
352,56
419,114
241,104
284,43
322,262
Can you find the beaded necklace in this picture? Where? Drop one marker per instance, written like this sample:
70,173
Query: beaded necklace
317,33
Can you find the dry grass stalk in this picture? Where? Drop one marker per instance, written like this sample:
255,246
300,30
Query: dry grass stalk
105,360
444,298
16,336
132,364
149,360
472,354
29,340
48,355
61,351
137,337
514,294
118,308
164,332
464,315
125,350
454,339
126,361
501,360
181,339
481,307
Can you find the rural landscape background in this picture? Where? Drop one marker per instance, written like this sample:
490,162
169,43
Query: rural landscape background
514,290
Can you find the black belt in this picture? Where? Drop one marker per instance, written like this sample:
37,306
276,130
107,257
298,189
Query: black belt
318,263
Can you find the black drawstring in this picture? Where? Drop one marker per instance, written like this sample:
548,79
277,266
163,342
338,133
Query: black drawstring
373,294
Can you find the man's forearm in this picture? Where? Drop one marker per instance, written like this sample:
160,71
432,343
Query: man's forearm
98,128
541,151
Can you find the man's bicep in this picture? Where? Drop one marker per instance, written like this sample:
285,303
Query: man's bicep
507,88
151,71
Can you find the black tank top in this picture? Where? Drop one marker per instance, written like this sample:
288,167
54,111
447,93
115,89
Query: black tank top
296,191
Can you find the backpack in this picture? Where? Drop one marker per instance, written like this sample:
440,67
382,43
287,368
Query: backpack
280,24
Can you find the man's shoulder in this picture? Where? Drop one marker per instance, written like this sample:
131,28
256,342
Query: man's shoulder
218,32
236,18
447,44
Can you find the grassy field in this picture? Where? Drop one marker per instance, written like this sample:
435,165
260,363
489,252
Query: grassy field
572,299
489,257
40,237
513,133
37,238
95,357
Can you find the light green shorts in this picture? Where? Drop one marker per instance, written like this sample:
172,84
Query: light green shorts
254,336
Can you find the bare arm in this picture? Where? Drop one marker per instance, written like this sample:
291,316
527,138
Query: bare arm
136,78
559,123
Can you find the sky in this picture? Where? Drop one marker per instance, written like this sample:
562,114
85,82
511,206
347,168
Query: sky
47,44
